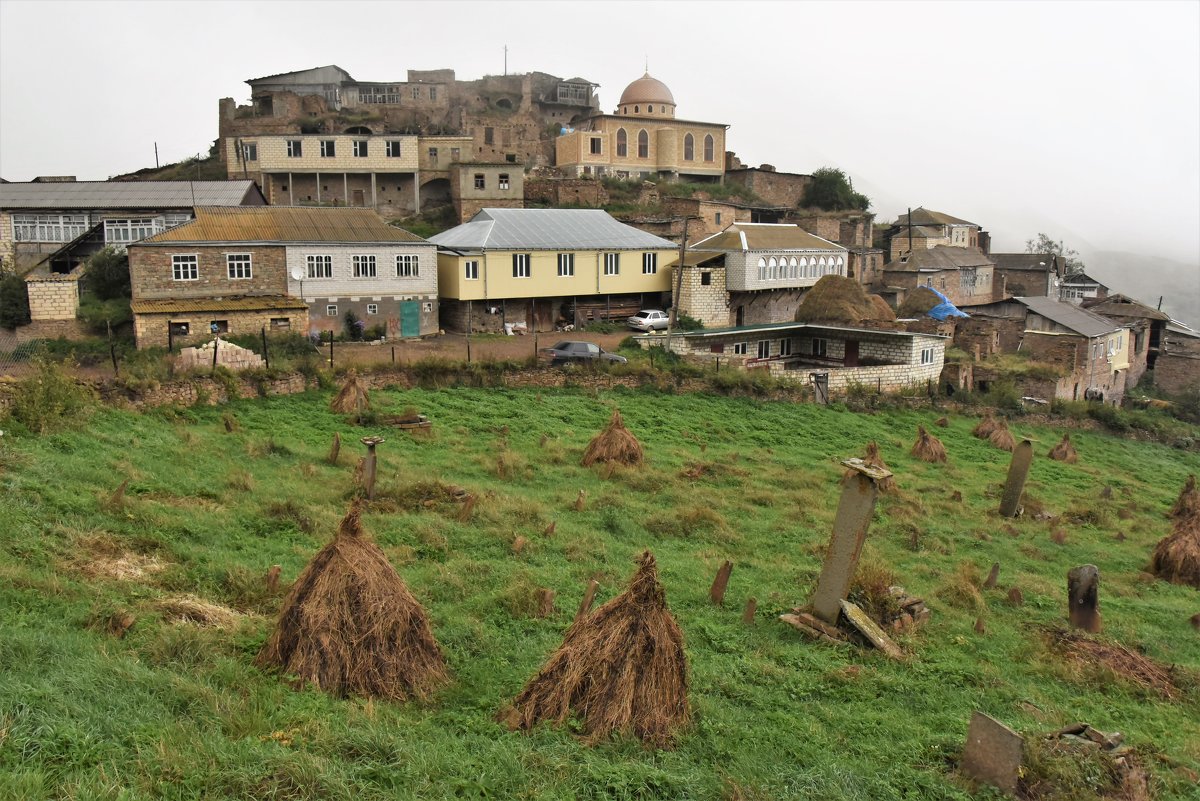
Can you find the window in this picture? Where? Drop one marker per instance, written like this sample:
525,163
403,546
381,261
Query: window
393,149
566,265
218,326
372,308
454,154
706,278
416,93
238,265
471,270
480,183
328,148
762,269
121,231
184,268
503,180
295,148
820,347
331,310
489,136
179,329
433,156
520,265
427,307
793,268
764,348
594,144
250,151
740,348
785,347
772,269
718,218
364,266
649,263
408,266
926,355
708,148
636,110
280,323
319,266
689,149
643,144
612,263
622,143
360,148
433,93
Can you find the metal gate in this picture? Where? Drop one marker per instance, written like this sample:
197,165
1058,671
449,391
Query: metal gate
410,318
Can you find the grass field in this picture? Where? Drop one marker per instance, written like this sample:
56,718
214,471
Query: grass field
175,709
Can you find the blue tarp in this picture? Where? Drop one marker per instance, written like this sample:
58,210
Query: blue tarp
945,308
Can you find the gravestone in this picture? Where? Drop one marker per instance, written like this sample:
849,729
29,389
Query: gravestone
993,753
1014,485
992,577
1083,597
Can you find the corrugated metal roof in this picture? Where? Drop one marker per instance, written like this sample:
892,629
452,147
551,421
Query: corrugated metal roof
769,327
284,224
923,216
547,229
1124,306
765,236
239,303
150,195
1069,316
1038,262
942,257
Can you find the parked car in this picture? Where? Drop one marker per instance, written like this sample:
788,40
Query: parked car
571,352
649,320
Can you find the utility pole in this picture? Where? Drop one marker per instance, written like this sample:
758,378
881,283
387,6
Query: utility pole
506,59
673,317
156,155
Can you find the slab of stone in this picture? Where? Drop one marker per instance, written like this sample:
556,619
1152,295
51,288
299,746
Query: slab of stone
993,753
870,629
855,508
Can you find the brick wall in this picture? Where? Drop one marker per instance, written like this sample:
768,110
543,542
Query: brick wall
54,297
775,188
150,271
772,306
566,192
1177,372
708,304
150,330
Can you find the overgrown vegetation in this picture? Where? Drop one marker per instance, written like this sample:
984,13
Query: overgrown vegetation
14,301
49,398
832,190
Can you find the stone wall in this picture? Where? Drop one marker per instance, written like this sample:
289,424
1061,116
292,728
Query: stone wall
150,271
150,330
707,303
1177,372
53,296
227,355
775,188
566,192
771,306
53,329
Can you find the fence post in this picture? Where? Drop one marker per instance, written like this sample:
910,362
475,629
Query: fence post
330,350
216,347
266,355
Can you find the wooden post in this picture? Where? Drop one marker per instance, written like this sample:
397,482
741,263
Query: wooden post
335,449
716,593
393,354
589,596
749,611
1014,485
330,350
216,347
266,353
369,466
545,603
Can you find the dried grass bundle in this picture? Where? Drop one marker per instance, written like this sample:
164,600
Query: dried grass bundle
1177,556
874,459
1002,438
985,427
621,669
928,448
1187,506
614,444
1064,451
836,299
352,398
349,625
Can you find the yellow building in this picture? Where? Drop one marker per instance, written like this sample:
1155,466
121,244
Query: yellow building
547,267
642,139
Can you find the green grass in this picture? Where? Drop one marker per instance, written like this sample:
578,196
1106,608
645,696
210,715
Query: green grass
175,710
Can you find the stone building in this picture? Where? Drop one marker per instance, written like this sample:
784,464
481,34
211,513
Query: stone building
478,185
777,188
296,269
964,275
643,138
1177,368
1092,350
1079,287
854,230
921,229
1146,326
1026,274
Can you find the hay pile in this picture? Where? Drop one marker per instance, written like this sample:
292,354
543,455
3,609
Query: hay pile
1064,451
1177,555
352,398
874,459
834,299
928,448
620,669
615,444
985,427
918,303
1001,437
351,626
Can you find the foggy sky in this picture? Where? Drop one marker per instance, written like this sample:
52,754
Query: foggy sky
1075,118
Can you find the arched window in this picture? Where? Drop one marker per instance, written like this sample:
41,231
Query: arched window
803,267
708,147
792,272
689,148
649,109
824,267
762,269
622,143
635,110
624,109
772,268
643,142
840,263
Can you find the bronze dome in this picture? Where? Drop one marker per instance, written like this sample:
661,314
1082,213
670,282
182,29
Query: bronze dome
647,90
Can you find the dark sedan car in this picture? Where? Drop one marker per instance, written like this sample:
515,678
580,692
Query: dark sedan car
568,352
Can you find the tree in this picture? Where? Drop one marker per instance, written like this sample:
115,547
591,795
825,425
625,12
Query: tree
831,190
1044,244
108,274
14,301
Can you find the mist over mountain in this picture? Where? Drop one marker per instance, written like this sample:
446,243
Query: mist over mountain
1146,277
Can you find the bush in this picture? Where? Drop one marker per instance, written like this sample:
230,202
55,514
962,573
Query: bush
354,326
108,274
685,322
49,398
14,302
101,315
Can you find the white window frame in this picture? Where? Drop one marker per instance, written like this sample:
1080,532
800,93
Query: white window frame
764,348
361,148
480,181
502,181
741,348
471,270
319,265
249,151
521,266
393,149
927,355
820,347
566,265
295,148
785,347
239,266
408,266
331,310
328,148
372,308
649,263
179,264
612,263
363,266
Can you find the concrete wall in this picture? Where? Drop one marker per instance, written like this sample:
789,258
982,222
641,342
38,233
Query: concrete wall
707,303
150,330
743,273
54,296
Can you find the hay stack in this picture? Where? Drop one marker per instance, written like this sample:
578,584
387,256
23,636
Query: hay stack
928,448
614,445
1177,556
1002,438
985,427
621,669
874,459
351,626
352,398
1064,451
834,299
918,303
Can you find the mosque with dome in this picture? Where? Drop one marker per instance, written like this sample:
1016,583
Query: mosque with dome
643,138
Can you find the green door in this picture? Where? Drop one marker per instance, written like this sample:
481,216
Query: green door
410,318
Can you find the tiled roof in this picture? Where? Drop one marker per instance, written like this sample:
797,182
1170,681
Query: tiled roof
764,236
547,229
127,194
239,303
284,224
923,216
942,257
1038,262
1081,321
921,231
1123,306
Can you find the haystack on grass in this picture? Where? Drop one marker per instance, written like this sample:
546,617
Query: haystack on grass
874,459
1064,451
985,427
928,448
620,669
351,626
834,299
918,303
615,444
1002,438
1177,556
352,398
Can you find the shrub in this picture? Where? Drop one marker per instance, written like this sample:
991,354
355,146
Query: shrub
107,274
354,326
14,302
102,315
685,322
49,398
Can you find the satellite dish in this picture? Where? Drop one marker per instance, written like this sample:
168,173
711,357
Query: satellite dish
297,274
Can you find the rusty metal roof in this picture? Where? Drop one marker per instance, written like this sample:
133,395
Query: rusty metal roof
765,236
1071,317
942,257
283,224
238,303
924,216
139,195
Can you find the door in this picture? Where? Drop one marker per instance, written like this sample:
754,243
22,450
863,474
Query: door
851,359
359,198
410,318
739,317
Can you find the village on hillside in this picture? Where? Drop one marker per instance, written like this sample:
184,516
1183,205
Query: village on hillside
507,179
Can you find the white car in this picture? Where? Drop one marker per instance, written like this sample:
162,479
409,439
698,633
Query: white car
649,320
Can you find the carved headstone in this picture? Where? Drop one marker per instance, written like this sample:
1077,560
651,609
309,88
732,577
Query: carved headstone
857,504
1014,485
993,753
1083,597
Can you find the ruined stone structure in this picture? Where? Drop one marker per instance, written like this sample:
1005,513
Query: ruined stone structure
964,275
1177,368
922,229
